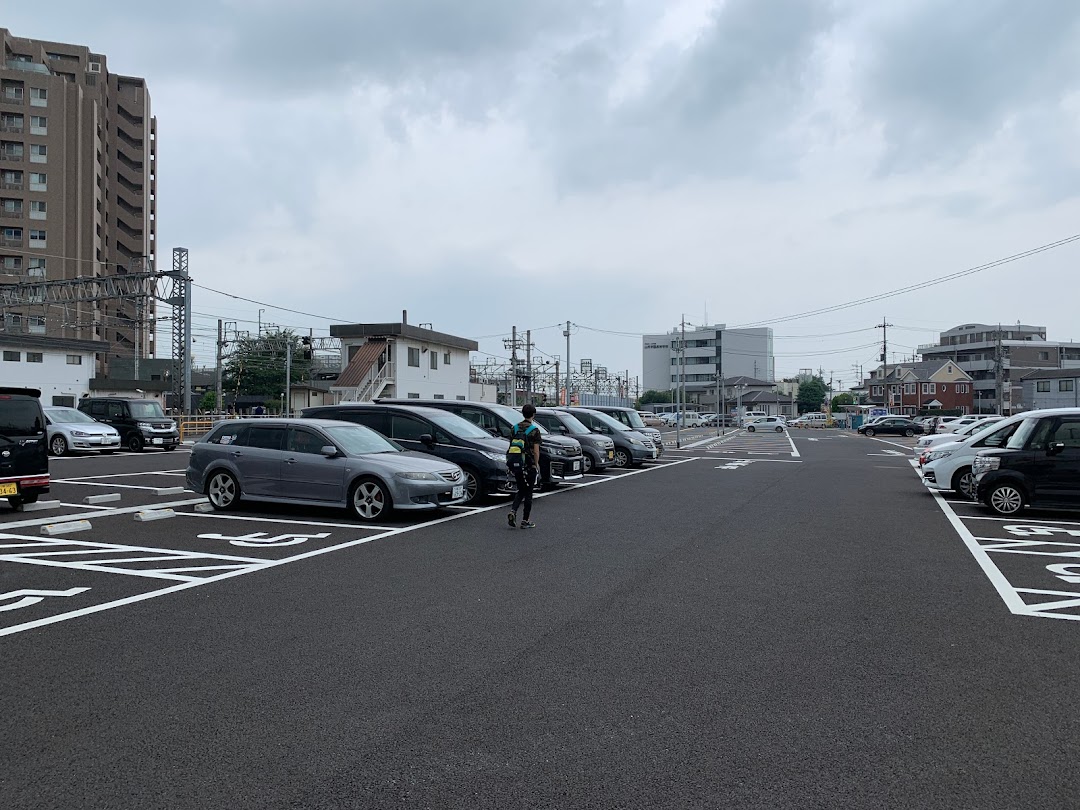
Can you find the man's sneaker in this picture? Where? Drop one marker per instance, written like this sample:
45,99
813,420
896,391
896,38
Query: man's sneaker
528,524
511,518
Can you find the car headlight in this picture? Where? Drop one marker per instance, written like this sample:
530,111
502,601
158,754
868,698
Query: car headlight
144,426
635,441
417,476
938,454
79,433
983,464
494,456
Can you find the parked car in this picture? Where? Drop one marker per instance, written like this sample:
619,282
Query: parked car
632,449
750,416
941,424
1038,466
774,424
481,456
598,451
70,430
140,422
630,418
893,425
948,465
560,456
651,419
691,419
24,454
924,444
318,462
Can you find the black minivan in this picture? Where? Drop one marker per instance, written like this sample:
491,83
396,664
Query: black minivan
1039,465
480,455
140,422
560,456
24,446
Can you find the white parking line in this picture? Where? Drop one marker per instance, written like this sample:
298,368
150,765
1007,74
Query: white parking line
124,510
116,475
219,516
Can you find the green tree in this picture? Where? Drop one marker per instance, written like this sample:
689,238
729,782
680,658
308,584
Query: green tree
811,394
842,399
653,395
256,365
208,401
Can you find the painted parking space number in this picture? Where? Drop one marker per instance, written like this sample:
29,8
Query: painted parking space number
261,540
28,597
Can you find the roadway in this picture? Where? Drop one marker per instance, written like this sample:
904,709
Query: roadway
757,621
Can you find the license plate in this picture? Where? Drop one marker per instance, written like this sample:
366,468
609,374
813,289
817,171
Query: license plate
611,454
459,492
654,454
576,466
9,489
157,441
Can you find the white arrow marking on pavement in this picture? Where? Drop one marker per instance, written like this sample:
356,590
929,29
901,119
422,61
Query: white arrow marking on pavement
259,539
32,597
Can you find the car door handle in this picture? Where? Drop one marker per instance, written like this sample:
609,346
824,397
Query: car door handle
236,454
290,461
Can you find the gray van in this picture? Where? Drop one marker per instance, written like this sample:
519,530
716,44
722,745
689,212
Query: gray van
632,419
598,451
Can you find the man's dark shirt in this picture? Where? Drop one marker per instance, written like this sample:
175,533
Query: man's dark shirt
531,434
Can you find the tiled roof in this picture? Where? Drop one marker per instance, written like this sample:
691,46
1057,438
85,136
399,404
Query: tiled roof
356,372
1053,374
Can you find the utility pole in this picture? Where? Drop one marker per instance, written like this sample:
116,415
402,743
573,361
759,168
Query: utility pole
566,334
884,327
683,374
556,397
999,374
287,404
513,365
528,365
220,345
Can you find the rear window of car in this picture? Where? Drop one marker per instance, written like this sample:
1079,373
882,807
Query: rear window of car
20,417
229,434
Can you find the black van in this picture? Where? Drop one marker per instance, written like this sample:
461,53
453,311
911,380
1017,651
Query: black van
24,446
140,422
561,458
428,430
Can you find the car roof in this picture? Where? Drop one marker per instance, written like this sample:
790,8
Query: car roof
423,410
282,421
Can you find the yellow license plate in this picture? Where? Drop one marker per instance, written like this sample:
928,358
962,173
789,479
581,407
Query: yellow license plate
9,489
611,454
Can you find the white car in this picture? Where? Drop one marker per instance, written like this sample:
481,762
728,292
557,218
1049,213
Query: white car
72,430
948,465
766,423
691,419
970,429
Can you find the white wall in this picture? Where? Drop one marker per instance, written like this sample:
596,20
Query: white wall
479,392
53,376
451,381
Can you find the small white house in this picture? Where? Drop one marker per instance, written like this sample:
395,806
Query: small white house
60,368
401,360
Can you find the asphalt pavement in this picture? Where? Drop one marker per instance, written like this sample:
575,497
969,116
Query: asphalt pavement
757,621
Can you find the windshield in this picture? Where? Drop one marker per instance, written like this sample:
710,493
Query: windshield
635,419
64,416
146,410
513,416
611,422
20,417
573,424
1022,434
458,426
975,427
357,440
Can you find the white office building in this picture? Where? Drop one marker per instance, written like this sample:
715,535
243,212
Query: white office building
711,352
60,368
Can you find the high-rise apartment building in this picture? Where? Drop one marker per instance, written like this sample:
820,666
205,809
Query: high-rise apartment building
77,188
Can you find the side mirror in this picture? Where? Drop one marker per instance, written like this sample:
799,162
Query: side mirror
328,450
563,429
427,439
1054,448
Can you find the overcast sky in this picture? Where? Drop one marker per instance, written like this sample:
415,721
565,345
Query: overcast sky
489,163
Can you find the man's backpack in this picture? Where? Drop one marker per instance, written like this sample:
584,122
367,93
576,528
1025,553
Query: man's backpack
517,455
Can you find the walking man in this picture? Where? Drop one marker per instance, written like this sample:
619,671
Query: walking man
523,460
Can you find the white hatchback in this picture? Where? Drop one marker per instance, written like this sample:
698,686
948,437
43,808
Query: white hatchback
775,424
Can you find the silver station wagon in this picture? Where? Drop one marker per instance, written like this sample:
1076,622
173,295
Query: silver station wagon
318,462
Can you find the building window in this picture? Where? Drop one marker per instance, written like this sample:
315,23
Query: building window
11,179
12,357
414,357
11,206
1044,355
874,390
461,397
11,264
962,388
37,209
414,396
434,360
63,402
74,359
446,358
39,153
35,267
439,396
39,181
39,125
929,388
11,236
39,97
1042,386
37,238
35,357
1065,385
909,388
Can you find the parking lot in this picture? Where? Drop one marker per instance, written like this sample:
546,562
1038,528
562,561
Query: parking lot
796,609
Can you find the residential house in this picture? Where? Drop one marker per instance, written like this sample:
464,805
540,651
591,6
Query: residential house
401,360
1051,388
61,368
915,388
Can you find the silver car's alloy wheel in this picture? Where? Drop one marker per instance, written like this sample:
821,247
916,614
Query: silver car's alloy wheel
370,499
1006,500
58,446
622,458
222,490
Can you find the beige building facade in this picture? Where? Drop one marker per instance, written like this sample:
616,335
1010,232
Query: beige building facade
77,188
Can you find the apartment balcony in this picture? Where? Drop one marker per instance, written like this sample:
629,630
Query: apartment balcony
11,214
9,186
15,129
10,157
12,243
14,101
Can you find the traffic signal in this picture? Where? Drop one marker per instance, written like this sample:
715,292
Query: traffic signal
306,342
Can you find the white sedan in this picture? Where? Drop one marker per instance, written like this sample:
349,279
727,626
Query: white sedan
926,443
773,423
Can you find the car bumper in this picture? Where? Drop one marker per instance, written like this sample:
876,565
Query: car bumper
154,438
19,485
94,442
566,469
